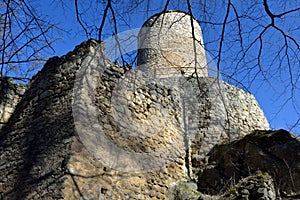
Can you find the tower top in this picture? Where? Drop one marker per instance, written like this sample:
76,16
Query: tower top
170,44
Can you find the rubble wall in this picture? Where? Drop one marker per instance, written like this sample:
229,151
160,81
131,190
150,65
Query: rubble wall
46,154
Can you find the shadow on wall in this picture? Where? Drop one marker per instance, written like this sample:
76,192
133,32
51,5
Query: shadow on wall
35,142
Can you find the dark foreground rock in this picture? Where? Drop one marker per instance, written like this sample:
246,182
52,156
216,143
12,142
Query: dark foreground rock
262,165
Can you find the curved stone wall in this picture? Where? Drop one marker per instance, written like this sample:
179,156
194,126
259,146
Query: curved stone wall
167,47
226,114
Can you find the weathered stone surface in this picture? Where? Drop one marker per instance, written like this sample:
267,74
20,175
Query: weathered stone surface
43,157
10,95
166,46
258,186
272,152
184,191
51,147
34,143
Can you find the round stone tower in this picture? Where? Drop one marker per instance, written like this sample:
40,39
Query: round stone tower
170,45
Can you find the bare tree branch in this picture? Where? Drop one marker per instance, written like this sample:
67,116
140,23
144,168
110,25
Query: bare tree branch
79,20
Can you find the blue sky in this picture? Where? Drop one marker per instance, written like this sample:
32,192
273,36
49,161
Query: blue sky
268,93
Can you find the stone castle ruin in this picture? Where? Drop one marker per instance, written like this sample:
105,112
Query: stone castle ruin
171,47
85,128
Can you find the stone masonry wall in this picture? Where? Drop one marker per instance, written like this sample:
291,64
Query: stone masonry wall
214,112
35,142
230,113
140,117
10,94
89,129
42,156
167,47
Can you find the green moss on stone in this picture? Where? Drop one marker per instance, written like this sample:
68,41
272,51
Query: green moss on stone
231,191
263,175
268,138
